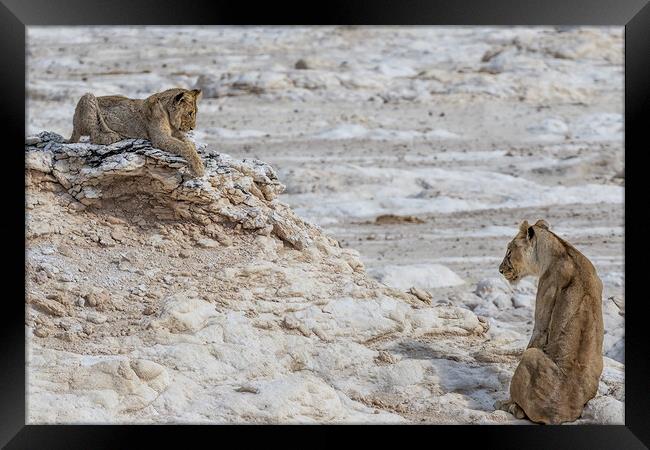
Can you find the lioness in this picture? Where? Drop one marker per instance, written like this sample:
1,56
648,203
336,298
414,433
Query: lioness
559,370
161,118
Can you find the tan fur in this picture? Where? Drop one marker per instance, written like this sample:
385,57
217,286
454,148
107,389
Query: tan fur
560,369
161,118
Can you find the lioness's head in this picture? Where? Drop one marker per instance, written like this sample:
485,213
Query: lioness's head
182,109
520,259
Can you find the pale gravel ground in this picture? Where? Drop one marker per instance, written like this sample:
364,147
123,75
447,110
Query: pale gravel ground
403,121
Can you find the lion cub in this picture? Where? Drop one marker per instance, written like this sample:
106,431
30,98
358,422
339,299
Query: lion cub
161,118
559,371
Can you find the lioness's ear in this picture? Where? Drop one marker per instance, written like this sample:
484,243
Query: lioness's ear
196,93
523,228
530,233
179,97
542,224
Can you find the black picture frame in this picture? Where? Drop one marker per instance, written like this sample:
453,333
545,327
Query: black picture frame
15,15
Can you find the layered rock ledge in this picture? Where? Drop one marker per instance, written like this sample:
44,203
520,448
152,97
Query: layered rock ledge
234,193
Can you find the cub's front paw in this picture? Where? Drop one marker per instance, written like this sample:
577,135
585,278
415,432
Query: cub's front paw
198,169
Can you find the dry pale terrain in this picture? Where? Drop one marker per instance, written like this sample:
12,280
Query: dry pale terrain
420,148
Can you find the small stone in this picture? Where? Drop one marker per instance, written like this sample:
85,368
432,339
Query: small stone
118,236
207,243
65,251
41,332
76,206
68,324
301,64
156,241
184,253
56,296
385,357
39,277
502,301
421,295
489,287
523,300
80,302
97,297
224,240
248,389
146,370
115,220
388,219
141,288
95,317
66,277
318,331
264,231
129,256
291,323
152,295
49,269
106,241
50,307
148,310
68,336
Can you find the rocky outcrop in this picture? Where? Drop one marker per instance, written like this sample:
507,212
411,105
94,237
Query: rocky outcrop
233,193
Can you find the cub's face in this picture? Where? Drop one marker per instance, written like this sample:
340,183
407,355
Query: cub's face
519,259
182,110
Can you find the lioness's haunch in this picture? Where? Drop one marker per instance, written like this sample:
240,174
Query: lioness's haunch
161,118
560,369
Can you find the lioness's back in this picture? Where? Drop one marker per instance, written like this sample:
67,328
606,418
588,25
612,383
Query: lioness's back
585,270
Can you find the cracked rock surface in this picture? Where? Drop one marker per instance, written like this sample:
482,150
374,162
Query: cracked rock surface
157,298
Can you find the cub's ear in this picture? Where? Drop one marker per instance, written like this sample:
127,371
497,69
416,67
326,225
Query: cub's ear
155,110
196,93
523,228
179,97
542,224
153,105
